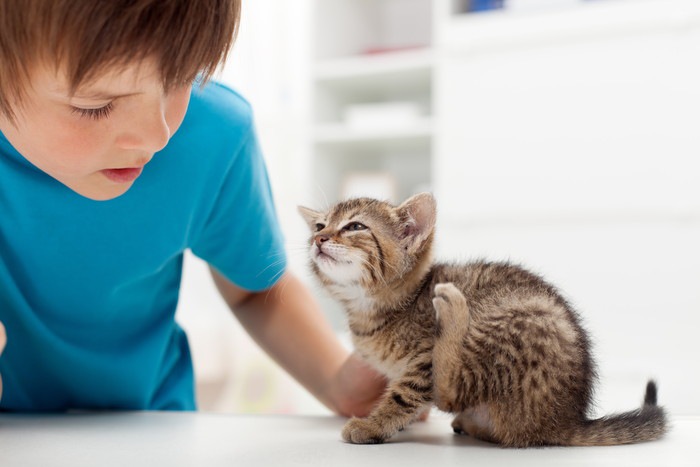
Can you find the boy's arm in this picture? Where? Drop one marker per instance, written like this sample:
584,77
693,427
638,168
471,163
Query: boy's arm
288,324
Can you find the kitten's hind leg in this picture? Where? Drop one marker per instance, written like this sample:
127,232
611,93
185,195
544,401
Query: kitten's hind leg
450,309
452,323
475,422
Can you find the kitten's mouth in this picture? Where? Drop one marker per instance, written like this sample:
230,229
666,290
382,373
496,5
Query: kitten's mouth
323,256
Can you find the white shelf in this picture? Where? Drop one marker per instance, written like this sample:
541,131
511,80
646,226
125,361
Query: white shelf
375,65
343,134
349,80
504,28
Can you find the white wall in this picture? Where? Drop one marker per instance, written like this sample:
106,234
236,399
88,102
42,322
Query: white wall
569,144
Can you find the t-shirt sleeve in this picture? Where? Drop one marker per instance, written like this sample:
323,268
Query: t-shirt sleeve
241,237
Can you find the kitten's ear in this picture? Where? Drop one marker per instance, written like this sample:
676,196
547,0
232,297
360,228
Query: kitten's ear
418,220
309,215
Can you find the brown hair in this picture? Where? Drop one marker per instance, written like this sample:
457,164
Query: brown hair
188,38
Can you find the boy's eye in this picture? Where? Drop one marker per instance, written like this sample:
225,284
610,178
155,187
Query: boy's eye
94,114
319,227
354,226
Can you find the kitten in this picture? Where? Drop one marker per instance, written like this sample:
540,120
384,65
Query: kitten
492,343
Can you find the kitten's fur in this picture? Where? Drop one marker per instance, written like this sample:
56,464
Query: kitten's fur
489,342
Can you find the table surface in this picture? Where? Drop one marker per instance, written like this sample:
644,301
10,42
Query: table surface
204,439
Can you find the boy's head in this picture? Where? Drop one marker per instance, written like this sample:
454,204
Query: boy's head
90,89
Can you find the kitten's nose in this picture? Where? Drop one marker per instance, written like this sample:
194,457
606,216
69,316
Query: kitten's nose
320,239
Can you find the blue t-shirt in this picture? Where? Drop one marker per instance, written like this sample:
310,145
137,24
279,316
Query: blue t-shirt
88,289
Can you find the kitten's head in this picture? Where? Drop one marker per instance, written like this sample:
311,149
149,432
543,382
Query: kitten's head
368,242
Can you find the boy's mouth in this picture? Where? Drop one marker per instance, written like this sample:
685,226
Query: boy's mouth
126,175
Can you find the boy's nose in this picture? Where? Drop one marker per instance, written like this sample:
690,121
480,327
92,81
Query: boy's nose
149,133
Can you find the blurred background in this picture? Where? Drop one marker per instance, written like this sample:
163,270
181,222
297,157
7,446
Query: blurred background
559,134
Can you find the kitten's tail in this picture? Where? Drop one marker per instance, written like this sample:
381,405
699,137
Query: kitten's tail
645,424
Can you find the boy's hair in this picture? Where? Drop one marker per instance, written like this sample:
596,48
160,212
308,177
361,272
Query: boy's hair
188,38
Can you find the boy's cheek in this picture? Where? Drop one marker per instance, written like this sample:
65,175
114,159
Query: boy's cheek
69,150
61,151
54,129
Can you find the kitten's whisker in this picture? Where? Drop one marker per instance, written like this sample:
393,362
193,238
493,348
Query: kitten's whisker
325,198
272,265
305,247
393,268
374,269
277,255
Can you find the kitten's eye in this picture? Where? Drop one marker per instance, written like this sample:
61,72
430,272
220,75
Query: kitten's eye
354,226
319,227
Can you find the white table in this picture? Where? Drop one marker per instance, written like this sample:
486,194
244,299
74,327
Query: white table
201,439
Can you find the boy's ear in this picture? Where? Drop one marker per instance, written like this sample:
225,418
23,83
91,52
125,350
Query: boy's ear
309,215
418,215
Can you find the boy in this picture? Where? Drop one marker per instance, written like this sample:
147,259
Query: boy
112,163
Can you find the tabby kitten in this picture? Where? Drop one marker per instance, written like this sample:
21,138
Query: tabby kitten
492,343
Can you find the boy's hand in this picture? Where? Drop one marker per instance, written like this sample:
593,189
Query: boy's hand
357,387
3,339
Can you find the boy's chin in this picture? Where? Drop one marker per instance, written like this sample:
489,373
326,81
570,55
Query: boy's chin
99,191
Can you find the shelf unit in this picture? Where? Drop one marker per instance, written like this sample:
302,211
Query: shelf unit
372,111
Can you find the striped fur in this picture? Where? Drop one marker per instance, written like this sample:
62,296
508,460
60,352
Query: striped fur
492,343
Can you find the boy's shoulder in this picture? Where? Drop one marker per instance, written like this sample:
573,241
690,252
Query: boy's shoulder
219,107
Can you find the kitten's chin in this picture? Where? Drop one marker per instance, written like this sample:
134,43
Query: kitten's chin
338,272
324,258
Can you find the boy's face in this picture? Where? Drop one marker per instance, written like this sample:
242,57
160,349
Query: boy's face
97,141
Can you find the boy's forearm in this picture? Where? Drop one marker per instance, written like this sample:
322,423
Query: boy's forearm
288,324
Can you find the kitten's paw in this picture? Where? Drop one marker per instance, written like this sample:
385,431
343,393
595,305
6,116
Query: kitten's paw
363,431
450,305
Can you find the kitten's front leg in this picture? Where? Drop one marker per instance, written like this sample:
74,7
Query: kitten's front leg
452,318
403,401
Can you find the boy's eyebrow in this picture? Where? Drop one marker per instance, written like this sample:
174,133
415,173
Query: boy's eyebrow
102,95
91,94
